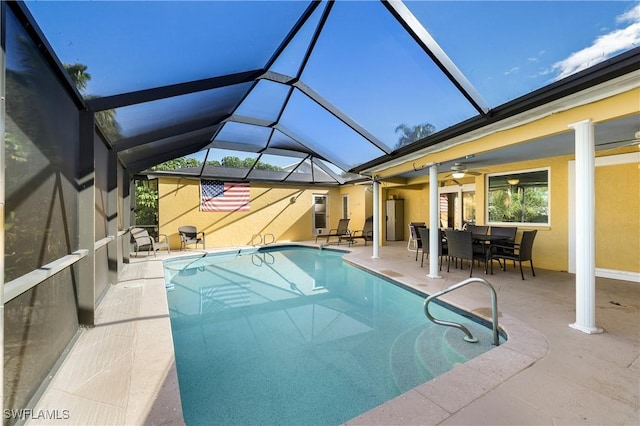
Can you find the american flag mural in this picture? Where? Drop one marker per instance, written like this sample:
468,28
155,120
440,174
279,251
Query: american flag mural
218,196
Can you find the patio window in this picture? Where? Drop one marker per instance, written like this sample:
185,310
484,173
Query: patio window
518,197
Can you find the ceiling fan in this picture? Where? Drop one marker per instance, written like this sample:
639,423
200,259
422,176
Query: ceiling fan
460,170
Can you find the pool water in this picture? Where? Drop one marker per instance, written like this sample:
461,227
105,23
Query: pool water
295,336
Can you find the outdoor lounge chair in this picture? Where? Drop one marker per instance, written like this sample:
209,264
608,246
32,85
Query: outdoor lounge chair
342,232
143,241
522,251
190,235
366,233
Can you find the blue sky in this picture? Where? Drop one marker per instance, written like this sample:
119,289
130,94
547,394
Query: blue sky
366,65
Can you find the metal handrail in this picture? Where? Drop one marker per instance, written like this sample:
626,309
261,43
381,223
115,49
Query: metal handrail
262,239
253,238
494,309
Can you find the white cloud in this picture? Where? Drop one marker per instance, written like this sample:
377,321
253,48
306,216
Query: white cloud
512,70
632,15
604,47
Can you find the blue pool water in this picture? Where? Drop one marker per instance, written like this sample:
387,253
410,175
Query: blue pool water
295,336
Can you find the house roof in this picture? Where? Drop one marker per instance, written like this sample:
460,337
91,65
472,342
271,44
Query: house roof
321,91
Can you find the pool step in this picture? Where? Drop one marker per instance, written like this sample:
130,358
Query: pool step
440,353
426,351
407,370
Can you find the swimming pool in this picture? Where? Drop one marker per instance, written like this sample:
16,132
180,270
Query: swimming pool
294,335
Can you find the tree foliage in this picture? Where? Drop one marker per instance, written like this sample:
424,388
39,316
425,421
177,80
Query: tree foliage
410,134
146,211
106,120
247,163
79,75
228,161
177,163
523,205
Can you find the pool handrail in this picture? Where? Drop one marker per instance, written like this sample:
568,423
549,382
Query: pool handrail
494,309
262,239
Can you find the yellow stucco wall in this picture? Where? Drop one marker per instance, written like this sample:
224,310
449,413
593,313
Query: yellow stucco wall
360,205
416,204
618,217
285,212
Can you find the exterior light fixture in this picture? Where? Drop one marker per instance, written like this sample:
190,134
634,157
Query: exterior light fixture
458,175
513,181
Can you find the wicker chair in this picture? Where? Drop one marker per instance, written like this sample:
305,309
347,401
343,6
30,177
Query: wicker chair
520,252
460,246
442,245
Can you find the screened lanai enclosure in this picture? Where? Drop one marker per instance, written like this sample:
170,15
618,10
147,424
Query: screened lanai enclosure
97,94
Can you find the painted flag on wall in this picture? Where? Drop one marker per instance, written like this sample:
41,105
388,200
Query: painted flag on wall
218,196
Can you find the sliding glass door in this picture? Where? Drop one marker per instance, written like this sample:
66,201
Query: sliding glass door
457,205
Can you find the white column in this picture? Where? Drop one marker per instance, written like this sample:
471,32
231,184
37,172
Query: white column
585,228
376,219
434,222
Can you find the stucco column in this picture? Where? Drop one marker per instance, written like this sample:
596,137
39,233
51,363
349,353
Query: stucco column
434,219
376,219
585,228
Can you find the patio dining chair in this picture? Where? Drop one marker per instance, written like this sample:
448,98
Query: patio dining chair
418,241
509,234
476,229
479,247
460,246
520,252
426,248
414,236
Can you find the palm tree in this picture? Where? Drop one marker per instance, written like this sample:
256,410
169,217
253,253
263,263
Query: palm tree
106,120
410,134
79,75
